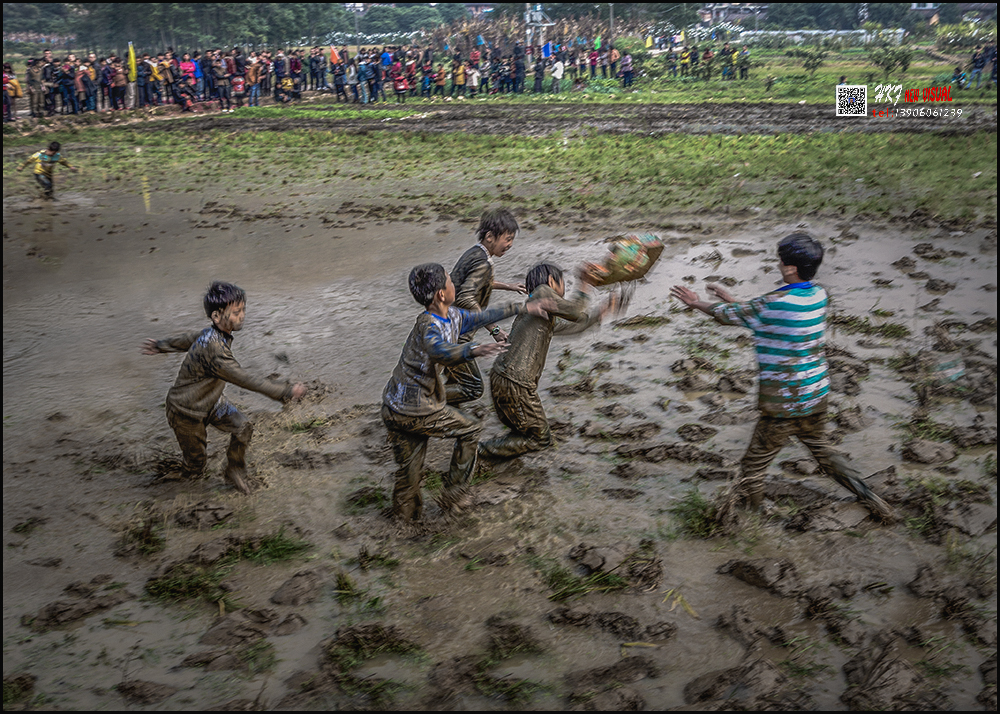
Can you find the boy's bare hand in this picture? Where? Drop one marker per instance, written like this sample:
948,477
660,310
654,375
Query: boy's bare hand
721,293
149,347
488,350
685,295
540,308
298,391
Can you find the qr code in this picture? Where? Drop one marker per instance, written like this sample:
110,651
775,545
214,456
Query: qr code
852,100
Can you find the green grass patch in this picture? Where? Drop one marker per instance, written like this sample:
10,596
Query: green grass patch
187,581
347,591
269,549
642,321
565,584
355,645
144,538
832,174
854,325
925,428
305,427
695,515
17,688
258,657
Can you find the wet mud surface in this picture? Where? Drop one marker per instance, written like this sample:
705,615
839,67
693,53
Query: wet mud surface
571,584
649,119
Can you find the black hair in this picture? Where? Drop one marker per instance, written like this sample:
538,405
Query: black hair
802,251
55,146
221,295
498,221
540,274
425,281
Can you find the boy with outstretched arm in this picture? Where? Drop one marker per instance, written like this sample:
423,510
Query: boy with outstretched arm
788,326
515,374
414,403
195,401
474,284
45,164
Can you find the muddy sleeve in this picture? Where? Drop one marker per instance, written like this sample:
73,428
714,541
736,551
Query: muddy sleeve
225,367
573,309
445,352
578,320
472,321
33,157
466,294
178,343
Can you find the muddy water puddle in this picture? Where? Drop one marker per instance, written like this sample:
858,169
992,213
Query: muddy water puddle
644,412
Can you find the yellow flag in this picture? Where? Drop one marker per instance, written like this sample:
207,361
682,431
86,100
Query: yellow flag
683,41
649,41
133,70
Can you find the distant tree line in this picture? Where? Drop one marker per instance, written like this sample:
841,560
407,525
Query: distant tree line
215,24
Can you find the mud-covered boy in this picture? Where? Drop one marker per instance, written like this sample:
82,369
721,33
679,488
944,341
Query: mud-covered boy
474,285
414,402
515,373
45,164
196,400
788,327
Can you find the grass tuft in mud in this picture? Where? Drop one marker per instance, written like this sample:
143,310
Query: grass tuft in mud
143,538
925,428
359,501
640,321
16,688
695,515
258,657
190,581
347,590
507,639
187,581
355,645
565,584
367,560
378,693
269,549
854,325
304,427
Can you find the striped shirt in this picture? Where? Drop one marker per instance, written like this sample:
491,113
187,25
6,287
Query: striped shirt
788,327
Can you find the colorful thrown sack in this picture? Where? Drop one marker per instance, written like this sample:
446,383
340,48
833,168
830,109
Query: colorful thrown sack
630,258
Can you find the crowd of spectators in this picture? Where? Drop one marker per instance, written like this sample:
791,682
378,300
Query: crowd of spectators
76,84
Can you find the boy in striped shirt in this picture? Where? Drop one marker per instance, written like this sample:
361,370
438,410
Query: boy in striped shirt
788,326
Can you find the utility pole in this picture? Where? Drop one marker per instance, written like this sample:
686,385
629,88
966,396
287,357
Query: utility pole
611,35
357,9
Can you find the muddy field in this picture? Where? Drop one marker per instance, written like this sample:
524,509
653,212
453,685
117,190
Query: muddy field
573,583
645,119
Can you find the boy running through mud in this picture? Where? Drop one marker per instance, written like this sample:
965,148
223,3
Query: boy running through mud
788,326
45,164
195,401
414,403
474,284
515,374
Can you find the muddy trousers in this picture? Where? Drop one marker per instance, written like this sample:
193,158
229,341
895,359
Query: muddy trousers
192,436
465,382
770,437
520,409
46,183
408,437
